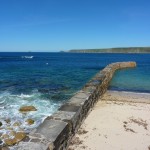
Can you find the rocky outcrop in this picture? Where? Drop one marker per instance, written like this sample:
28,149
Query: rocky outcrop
30,121
17,137
57,130
27,108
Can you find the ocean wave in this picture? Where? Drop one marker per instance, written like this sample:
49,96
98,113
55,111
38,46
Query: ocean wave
24,96
27,57
11,103
16,57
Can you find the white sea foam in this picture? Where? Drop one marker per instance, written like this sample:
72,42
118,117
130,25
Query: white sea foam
24,96
11,104
2,102
28,57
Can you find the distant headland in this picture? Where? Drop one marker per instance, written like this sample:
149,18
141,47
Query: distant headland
113,50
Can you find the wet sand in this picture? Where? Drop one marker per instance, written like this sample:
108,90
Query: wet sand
119,121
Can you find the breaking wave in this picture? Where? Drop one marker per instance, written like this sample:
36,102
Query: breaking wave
28,57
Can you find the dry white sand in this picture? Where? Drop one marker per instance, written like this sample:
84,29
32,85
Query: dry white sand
119,121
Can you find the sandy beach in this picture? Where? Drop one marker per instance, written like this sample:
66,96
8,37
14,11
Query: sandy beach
119,121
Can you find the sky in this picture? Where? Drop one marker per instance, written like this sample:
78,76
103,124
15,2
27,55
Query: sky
54,25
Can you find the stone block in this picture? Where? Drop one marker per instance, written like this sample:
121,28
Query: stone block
69,107
63,115
49,129
31,146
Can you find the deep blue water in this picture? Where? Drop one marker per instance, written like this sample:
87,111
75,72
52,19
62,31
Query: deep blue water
46,80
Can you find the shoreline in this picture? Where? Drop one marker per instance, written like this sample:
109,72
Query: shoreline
119,120
57,129
131,90
146,93
127,96
122,91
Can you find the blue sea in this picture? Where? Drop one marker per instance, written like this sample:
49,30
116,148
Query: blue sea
47,80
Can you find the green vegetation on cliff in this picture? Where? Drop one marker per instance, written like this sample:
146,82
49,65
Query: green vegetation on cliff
114,50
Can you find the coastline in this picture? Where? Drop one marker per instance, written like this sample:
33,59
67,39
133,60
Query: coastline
129,90
132,92
119,120
57,130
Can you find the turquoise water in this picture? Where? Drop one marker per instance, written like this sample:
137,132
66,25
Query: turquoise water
137,79
47,80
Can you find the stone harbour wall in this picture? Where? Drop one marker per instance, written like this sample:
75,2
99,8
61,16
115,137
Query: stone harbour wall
57,130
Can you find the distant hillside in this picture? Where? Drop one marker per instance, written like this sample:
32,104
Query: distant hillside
113,50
